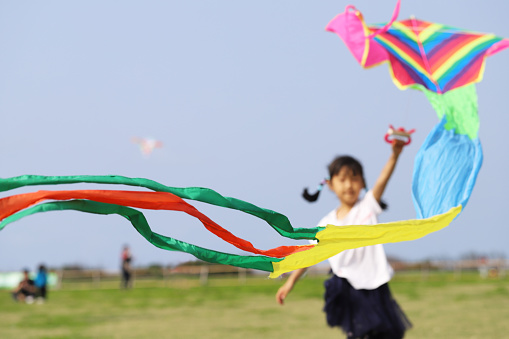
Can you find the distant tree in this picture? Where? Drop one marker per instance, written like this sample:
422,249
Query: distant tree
155,269
473,255
194,263
73,267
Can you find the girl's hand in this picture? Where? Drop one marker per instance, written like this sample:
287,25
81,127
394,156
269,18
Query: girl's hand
288,285
283,292
397,147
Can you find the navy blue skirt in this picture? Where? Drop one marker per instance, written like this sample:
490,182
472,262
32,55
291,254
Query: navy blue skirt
364,313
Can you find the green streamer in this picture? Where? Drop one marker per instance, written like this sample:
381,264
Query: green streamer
276,220
140,223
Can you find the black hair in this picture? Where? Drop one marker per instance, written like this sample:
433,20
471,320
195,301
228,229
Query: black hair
334,168
313,197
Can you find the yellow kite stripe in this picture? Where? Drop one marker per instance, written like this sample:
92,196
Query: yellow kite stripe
429,31
405,30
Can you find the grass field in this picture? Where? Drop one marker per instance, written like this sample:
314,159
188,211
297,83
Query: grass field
442,306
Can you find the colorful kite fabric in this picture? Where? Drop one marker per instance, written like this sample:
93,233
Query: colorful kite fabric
444,62
331,239
447,164
437,57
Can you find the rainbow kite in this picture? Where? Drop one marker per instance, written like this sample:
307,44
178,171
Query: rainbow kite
445,63
441,61
436,57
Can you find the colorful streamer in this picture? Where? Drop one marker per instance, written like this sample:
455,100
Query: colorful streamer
140,223
278,221
277,261
146,200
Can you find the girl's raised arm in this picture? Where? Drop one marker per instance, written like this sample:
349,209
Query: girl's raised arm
385,175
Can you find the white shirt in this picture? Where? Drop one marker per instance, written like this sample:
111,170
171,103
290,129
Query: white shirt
364,267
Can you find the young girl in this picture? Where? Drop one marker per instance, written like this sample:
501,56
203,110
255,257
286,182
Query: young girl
357,297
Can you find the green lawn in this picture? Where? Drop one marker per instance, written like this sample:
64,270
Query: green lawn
441,306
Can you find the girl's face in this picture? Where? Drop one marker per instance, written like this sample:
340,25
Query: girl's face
346,185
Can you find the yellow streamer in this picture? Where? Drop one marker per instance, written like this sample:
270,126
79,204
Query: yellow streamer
335,239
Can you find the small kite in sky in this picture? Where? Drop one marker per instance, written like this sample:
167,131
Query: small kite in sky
147,145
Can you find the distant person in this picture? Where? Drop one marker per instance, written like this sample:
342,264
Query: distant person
126,268
25,290
357,296
41,281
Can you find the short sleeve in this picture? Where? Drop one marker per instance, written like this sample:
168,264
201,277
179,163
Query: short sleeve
369,203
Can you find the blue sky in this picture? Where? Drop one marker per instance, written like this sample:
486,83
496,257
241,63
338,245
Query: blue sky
251,99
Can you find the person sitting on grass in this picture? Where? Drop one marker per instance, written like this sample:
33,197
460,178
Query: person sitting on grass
25,290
